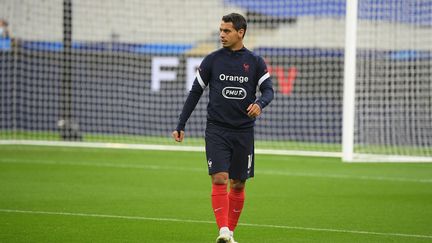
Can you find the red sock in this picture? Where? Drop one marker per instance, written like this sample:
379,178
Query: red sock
236,201
220,204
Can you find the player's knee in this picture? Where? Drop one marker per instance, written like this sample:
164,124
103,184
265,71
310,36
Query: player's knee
220,178
238,185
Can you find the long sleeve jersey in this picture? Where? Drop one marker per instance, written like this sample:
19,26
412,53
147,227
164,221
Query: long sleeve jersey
233,78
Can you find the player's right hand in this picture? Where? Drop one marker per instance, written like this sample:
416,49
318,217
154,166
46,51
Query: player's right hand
178,137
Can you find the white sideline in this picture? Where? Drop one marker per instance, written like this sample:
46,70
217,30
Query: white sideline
211,222
159,147
364,158
262,171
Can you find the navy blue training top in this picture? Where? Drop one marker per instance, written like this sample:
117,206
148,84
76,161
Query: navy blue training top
233,78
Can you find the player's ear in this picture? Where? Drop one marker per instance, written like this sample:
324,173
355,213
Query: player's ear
241,33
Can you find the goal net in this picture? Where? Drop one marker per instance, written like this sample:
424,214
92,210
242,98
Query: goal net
116,73
393,85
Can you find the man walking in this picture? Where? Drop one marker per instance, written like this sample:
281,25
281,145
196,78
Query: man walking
233,74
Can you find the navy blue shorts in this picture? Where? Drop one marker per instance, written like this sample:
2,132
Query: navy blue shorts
230,150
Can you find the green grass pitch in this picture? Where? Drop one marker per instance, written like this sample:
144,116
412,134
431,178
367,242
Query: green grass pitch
54,194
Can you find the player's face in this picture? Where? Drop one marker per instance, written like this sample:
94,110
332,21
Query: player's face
230,37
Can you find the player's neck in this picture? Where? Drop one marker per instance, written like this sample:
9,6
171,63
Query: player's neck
236,47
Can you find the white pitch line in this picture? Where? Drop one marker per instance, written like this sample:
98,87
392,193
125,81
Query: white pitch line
336,230
264,172
211,222
340,176
102,164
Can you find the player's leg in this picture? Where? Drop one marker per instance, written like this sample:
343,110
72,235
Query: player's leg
218,158
219,198
236,198
242,168
220,205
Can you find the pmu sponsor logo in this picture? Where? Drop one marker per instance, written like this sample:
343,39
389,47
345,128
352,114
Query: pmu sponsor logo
235,93
240,79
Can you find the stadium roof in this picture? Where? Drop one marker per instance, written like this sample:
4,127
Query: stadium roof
413,12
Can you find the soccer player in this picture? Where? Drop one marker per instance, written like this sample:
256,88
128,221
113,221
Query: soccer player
233,74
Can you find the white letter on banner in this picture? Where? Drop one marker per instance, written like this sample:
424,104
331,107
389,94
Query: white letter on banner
192,65
158,75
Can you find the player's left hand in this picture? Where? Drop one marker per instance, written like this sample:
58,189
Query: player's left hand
254,110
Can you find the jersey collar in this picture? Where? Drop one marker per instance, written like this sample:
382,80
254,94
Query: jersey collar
238,51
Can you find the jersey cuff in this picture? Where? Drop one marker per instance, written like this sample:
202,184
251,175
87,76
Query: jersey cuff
180,127
258,102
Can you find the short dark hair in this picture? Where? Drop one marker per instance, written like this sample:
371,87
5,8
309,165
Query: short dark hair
239,22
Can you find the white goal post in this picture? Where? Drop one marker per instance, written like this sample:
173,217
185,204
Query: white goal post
349,81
